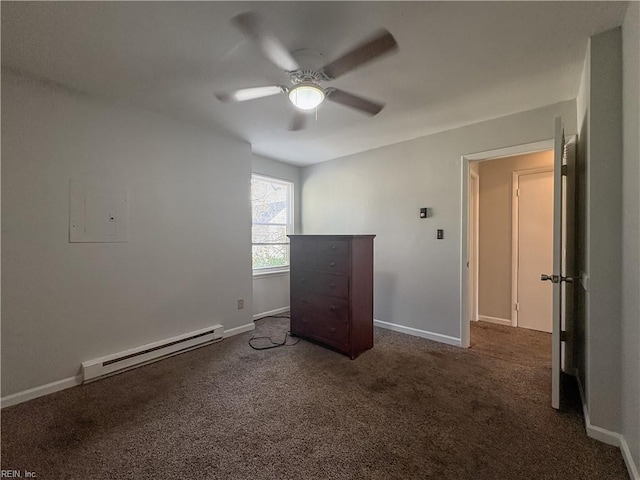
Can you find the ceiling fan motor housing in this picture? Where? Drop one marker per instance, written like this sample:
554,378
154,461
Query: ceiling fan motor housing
306,76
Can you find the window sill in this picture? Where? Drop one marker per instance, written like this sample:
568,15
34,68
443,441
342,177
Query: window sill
271,273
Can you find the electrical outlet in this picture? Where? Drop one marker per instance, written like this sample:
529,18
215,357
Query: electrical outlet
240,303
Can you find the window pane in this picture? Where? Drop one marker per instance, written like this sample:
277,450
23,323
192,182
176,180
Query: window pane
269,234
269,201
269,256
272,217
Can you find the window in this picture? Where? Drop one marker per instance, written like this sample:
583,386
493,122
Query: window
272,214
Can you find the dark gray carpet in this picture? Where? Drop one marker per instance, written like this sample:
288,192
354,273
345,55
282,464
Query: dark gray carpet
408,409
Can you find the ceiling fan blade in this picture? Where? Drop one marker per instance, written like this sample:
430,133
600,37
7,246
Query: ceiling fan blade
353,101
251,25
382,42
252,93
299,122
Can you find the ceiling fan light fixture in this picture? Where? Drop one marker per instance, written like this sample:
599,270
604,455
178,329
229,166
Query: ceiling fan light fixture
306,96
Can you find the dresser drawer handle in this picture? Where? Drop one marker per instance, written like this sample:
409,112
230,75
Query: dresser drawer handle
333,285
333,247
304,300
332,329
332,308
332,264
304,280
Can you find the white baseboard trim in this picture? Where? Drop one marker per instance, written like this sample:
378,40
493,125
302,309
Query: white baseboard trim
593,431
615,439
238,330
41,391
607,436
277,311
499,321
634,471
437,337
30,394
602,434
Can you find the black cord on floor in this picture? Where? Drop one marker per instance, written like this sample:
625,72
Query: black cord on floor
272,343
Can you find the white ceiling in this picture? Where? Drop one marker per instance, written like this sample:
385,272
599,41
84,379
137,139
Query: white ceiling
458,62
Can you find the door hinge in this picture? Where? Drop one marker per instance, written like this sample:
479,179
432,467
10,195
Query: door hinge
517,307
517,192
563,170
563,335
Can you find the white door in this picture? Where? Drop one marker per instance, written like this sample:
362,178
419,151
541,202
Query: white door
563,244
535,249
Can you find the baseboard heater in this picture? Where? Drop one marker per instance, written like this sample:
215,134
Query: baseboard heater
152,352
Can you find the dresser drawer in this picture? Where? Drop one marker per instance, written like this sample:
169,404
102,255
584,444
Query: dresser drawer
333,247
332,285
302,322
303,261
322,305
302,281
302,301
331,331
303,253
331,307
333,264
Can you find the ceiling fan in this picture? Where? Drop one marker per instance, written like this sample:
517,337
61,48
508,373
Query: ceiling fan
306,91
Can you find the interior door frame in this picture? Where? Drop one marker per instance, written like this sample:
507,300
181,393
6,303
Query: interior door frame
465,176
515,231
474,242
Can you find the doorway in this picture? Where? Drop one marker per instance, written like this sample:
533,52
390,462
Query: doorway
511,240
472,213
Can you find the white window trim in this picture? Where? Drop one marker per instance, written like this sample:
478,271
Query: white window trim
271,273
284,270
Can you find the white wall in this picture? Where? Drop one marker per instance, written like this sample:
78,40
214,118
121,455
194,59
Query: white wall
417,278
604,180
271,291
631,231
608,157
188,255
582,221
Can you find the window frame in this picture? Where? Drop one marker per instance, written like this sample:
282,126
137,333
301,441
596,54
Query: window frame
289,226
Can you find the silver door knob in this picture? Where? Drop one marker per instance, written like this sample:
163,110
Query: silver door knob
556,278
550,278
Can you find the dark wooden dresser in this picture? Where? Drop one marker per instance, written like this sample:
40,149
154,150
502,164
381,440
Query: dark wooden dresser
332,290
